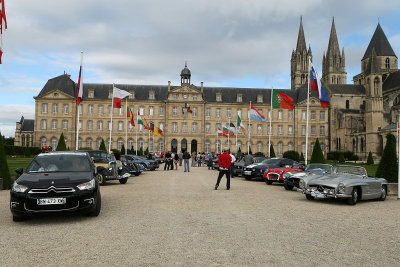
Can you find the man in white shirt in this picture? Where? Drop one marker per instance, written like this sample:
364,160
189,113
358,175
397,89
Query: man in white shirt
233,159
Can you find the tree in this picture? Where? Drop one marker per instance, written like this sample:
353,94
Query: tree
272,154
147,151
123,150
317,155
4,171
388,166
370,160
140,153
250,151
302,157
291,154
61,146
102,145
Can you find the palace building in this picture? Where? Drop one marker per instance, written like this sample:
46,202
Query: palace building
358,118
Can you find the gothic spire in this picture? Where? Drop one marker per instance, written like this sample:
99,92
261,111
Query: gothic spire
333,46
301,40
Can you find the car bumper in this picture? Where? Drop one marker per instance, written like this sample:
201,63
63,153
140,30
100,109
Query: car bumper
26,205
274,177
325,194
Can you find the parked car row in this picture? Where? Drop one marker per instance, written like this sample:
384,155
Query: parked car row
69,181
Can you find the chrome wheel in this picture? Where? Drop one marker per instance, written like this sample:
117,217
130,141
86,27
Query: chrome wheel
383,193
354,197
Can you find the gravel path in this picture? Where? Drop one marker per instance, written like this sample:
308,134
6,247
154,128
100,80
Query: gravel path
173,218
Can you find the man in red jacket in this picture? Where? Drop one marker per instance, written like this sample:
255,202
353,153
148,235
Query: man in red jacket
224,162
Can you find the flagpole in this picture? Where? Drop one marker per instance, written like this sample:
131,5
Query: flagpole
398,157
217,141
270,125
136,130
308,107
126,127
229,144
236,138
77,121
248,130
111,126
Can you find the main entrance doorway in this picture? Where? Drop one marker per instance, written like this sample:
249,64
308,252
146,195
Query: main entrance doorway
174,145
184,145
193,147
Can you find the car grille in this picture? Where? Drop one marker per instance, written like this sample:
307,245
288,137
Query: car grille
320,188
238,167
273,176
52,191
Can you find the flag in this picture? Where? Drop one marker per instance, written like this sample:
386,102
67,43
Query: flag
146,124
2,17
232,126
240,124
139,119
79,93
157,131
315,85
187,107
227,130
255,115
118,95
281,100
129,114
220,132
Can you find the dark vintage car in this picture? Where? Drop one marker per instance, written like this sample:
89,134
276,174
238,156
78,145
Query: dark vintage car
256,171
292,178
149,164
277,174
348,182
134,168
56,182
239,165
108,167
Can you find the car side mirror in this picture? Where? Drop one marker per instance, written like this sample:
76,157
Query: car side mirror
19,171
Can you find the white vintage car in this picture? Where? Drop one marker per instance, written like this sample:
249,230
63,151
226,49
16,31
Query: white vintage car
346,182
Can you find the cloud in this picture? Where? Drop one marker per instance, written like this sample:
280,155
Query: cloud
10,114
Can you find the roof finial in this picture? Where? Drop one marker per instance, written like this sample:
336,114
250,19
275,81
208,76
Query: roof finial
185,63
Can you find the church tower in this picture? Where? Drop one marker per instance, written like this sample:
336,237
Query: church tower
333,62
299,61
185,75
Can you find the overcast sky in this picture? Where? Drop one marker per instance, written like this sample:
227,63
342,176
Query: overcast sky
245,43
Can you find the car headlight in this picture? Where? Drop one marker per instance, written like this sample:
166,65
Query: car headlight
87,186
302,183
19,188
341,188
286,175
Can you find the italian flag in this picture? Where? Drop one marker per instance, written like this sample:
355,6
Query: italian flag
139,119
281,100
227,131
240,124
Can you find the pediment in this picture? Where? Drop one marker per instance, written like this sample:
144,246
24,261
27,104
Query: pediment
185,89
314,102
55,94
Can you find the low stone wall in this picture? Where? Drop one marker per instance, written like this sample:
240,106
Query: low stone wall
393,188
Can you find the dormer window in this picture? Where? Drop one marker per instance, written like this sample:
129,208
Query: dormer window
259,99
239,98
185,96
110,94
91,93
219,97
175,96
195,97
132,95
151,95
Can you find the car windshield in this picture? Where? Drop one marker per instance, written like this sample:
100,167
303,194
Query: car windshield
314,166
350,169
258,160
271,161
59,163
100,155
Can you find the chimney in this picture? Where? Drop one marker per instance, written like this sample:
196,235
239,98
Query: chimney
169,85
202,87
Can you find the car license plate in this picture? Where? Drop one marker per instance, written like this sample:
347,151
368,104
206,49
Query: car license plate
247,172
51,201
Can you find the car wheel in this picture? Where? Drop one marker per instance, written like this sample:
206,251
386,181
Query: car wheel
354,197
18,218
123,180
101,179
383,193
247,178
137,173
309,197
96,211
287,187
268,182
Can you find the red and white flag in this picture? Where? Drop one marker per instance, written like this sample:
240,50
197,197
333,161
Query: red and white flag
2,17
79,93
118,95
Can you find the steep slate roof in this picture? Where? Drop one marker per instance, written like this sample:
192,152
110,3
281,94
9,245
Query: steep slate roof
62,83
380,43
392,82
27,125
300,94
344,89
141,91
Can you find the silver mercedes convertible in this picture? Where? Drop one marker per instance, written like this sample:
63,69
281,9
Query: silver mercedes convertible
346,182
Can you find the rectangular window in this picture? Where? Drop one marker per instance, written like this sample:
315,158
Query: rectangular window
151,111
109,125
121,110
239,98
80,125
259,129
90,125
218,115
259,99
303,130
151,95
322,115
313,130
290,114
194,127
280,129
91,94
228,113
290,129
100,125
65,124
175,96
218,98
174,111
55,108
313,115
120,126
90,109
208,112
110,109
66,108
175,127
161,111
304,115
322,130
280,114
101,109
54,124
208,128
194,113
250,128
184,127
195,97
44,124
44,108
141,111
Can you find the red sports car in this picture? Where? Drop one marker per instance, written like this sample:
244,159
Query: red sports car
276,174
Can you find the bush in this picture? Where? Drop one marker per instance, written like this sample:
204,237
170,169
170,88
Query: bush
11,150
370,160
85,148
102,145
259,154
4,171
388,166
272,155
317,156
291,154
302,157
140,153
341,158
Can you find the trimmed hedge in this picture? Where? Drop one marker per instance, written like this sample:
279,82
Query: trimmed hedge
21,151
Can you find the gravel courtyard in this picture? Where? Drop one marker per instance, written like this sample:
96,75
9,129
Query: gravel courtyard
173,218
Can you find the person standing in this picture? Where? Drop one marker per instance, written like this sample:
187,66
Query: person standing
171,164
224,161
199,159
167,161
248,160
176,160
210,162
193,158
186,157
233,159
180,158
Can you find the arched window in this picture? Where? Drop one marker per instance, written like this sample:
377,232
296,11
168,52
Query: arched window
218,147
376,86
89,142
23,140
259,147
130,144
280,148
120,143
98,142
43,141
207,147
387,63
239,145
54,143
79,142
290,146
109,143
140,144
28,140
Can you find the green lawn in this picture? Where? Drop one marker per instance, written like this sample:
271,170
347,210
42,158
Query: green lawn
17,162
